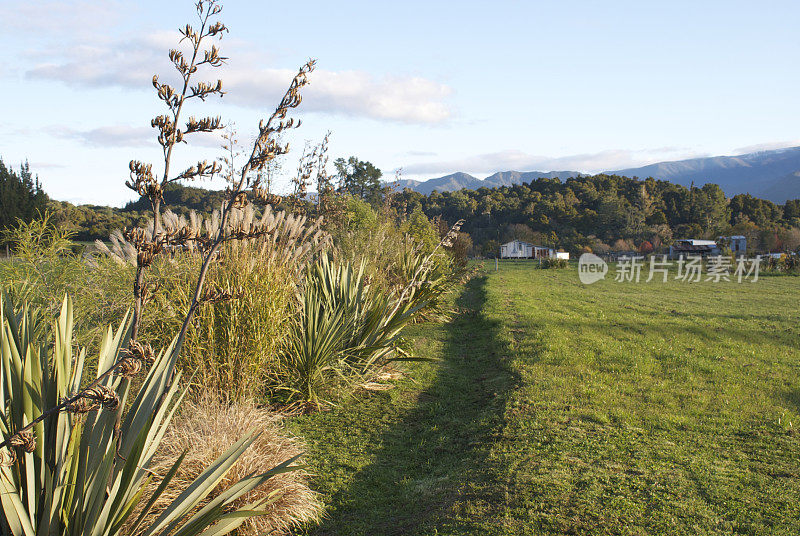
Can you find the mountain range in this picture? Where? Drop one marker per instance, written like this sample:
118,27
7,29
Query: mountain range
773,175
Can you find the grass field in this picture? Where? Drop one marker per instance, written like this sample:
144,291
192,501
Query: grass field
559,408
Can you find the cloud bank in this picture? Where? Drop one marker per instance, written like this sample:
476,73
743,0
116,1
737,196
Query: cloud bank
131,64
516,160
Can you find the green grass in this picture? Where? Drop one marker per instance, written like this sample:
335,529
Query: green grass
559,408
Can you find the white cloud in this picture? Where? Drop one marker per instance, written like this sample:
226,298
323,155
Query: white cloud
354,93
131,64
103,63
45,165
768,146
128,136
516,160
108,136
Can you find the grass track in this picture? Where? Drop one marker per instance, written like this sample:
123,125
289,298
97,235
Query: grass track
618,408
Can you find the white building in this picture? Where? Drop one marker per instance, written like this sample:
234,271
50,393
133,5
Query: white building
517,249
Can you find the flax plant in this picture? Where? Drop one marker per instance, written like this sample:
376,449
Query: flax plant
348,326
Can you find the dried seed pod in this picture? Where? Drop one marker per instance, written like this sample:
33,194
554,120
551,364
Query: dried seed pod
240,201
82,405
141,351
216,295
24,439
7,457
129,367
106,396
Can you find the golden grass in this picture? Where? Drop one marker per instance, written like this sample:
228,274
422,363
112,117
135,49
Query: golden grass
205,428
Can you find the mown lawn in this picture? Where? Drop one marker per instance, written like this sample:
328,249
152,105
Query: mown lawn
559,408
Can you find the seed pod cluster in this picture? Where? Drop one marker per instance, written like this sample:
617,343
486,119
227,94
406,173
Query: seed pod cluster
106,396
7,457
24,439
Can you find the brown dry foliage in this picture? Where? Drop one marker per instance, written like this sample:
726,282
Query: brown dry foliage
205,428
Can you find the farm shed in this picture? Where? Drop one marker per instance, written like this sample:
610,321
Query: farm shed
736,243
693,246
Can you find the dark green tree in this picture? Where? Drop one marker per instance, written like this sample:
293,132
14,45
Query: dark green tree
360,179
21,196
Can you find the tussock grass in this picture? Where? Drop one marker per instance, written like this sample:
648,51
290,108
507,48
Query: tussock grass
209,425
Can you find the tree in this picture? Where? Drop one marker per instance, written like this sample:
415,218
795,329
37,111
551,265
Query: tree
359,179
21,196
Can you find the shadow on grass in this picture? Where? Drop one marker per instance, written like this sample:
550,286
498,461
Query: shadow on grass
431,472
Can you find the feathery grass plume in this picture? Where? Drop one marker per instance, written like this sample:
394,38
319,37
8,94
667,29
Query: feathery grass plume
232,344
204,429
121,251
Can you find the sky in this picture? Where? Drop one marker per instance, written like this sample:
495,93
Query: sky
428,87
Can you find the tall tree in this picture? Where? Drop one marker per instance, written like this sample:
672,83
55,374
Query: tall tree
359,179
21,195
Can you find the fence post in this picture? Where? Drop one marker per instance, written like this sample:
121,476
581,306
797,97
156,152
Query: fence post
496,264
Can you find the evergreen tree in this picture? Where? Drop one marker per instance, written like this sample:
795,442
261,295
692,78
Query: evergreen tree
360,179
21,196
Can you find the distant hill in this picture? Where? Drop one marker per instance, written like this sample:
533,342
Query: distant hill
460,180
770,175
773,175
448,183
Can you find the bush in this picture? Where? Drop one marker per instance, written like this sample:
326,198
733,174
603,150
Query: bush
348,326
233,344
45,267
552,262
786,263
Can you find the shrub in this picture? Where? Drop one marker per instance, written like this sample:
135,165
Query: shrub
345,326
45,267
348,325
552,262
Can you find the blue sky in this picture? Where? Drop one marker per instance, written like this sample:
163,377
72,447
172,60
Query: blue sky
429,87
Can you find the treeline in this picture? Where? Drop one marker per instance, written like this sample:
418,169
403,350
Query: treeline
609,212
600,213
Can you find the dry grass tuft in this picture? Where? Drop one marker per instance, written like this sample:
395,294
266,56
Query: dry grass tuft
206,428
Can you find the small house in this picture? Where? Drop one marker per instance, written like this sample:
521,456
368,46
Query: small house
516,249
